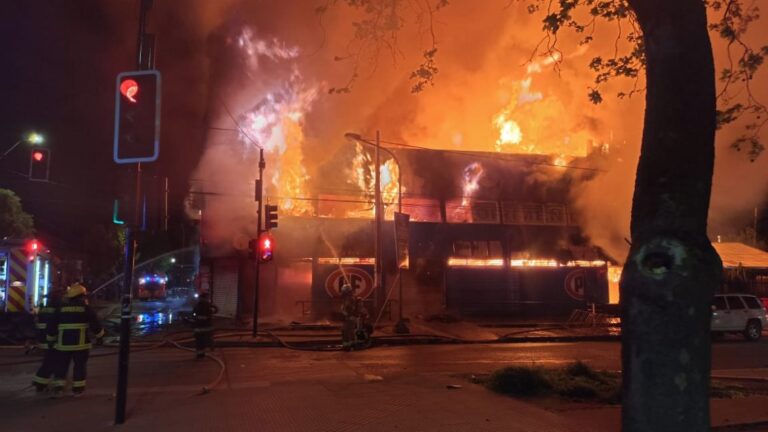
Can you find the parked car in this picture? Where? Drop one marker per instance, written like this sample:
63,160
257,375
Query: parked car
739,313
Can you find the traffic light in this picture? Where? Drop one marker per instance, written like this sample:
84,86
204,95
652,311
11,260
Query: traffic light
270,221
39,164
266,248
137,117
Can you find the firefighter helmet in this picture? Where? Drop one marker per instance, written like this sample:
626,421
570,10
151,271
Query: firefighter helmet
345,289
76,290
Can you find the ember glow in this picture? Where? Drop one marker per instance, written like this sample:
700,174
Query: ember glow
345,260
522,263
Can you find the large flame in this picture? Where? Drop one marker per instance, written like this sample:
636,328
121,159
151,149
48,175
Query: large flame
276,123
531,123
362,177
470,184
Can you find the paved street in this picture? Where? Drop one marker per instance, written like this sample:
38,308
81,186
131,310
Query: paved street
388,388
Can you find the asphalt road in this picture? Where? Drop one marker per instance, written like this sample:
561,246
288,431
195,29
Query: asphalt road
453,359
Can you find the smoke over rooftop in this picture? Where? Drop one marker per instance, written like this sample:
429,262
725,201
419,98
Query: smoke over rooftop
273,63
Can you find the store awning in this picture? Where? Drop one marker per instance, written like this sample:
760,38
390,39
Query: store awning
740,255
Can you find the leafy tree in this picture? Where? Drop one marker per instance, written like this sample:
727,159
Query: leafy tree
14,221
103,251
672,270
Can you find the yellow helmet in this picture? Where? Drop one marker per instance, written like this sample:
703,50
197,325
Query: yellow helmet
76,290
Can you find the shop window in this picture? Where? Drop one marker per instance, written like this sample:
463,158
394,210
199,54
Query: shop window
479,249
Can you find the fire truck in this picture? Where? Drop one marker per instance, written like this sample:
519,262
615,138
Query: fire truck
25,275
151,286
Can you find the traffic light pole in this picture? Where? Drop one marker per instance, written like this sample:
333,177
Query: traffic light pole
121,394
259,199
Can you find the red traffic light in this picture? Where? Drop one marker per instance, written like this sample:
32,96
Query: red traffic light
265,248
39,161
130,89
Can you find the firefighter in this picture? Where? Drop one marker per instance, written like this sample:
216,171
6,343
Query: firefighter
354,313
203,324
45,314
69,330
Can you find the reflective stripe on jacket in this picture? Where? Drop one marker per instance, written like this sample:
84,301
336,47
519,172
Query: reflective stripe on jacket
71,324
44,315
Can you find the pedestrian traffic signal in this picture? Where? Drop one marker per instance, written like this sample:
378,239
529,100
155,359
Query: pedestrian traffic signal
39,164
137,117
266,248
270,220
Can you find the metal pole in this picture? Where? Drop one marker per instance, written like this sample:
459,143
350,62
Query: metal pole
165,207
130,261
12,147
400,327
259,198
125,327
754,229
378,217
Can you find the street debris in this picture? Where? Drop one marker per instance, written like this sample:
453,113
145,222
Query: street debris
372,378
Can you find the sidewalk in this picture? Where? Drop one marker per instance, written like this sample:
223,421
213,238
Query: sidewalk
270,389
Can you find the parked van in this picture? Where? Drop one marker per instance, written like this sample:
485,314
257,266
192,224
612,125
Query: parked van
739,313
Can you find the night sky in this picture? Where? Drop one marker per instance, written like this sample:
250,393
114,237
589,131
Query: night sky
60,64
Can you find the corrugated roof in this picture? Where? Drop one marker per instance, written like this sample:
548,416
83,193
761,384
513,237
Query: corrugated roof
739,254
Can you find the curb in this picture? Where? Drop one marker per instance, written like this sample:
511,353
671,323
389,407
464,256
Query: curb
740,426
740,378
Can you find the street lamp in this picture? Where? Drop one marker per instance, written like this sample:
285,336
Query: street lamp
31,138
400,326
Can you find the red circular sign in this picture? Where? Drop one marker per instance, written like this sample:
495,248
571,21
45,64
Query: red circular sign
359,279
575,283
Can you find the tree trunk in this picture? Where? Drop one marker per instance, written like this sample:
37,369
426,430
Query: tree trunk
672,270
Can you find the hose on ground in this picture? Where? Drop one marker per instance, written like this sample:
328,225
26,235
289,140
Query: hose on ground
207,388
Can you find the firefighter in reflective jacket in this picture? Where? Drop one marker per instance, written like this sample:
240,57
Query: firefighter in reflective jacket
203,325
46,314
353,329
69,331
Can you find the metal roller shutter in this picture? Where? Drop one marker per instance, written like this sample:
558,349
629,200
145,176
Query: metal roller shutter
225,288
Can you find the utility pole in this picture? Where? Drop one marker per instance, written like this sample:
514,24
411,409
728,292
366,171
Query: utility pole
259,200
378,214
130,252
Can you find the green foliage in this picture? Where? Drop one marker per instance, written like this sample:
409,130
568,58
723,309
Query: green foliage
576,381
14,221
519,381
102,249
425,73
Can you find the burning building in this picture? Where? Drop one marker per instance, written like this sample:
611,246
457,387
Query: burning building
489,234
493,228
